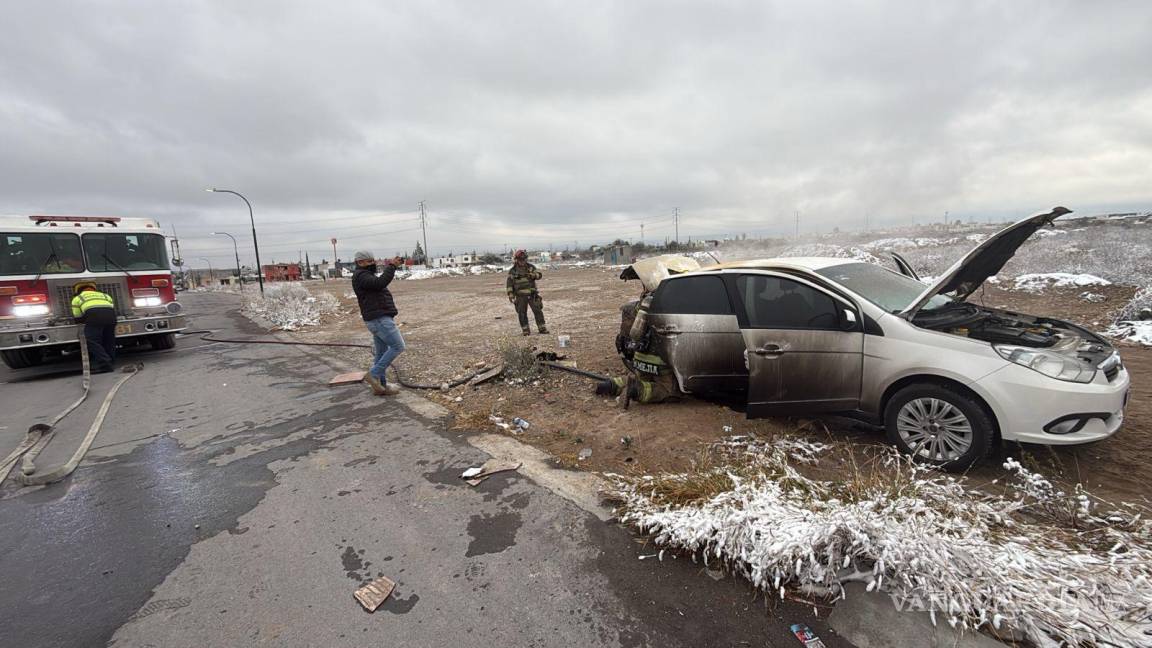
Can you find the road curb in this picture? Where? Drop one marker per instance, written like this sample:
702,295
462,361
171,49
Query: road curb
871,620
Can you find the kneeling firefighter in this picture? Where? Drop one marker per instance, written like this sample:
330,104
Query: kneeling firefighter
651,379
97,311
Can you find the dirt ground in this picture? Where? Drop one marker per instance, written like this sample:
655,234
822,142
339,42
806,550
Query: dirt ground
451,323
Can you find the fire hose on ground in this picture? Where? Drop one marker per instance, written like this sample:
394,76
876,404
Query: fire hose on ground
207,337
39,435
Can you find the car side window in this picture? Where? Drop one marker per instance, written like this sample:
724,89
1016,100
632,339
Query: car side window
703,295
779,303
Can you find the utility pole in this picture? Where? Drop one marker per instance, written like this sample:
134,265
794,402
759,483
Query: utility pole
676,219
641,232
797,223
945,219
424,228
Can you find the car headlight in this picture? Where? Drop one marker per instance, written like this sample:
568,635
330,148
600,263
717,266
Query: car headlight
1048,363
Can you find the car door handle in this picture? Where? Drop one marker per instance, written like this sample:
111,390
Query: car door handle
769,350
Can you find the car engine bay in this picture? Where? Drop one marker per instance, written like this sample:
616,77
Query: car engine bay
1006,327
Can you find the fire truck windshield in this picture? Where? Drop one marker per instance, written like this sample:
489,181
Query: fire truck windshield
35,253
113,251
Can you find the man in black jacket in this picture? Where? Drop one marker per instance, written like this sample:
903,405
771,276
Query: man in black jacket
378,311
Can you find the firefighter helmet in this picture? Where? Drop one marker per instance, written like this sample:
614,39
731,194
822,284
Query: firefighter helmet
520,254
79,287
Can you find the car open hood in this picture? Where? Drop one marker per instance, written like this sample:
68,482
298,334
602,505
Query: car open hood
653,270
970,272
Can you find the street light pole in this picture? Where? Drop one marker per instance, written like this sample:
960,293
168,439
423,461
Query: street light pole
255,244
236,251
211,272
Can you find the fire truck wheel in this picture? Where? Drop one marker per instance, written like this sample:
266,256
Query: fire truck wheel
162,341
22,358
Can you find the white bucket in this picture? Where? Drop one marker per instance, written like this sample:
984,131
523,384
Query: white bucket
563,341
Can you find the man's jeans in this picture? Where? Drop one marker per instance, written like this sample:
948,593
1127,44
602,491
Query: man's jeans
388,344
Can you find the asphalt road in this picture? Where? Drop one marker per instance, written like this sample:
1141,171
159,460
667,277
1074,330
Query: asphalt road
233,499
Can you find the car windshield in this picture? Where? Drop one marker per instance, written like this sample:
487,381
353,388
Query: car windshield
114,251
891,291
39,253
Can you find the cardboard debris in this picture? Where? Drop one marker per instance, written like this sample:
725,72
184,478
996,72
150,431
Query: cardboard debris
491,467
346,379
487,375
375,593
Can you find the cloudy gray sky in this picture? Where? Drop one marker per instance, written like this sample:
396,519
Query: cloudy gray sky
549,122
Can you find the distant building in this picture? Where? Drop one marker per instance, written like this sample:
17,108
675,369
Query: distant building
282,272
454,261
617,254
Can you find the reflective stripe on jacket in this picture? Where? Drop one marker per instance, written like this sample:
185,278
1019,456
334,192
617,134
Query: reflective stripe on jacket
88,300
522,281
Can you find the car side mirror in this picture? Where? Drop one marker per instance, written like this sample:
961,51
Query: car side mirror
848,320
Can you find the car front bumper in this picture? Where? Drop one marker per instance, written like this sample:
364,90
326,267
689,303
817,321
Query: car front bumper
1026,402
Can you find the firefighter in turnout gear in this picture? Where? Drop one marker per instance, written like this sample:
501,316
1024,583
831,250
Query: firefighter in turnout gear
522,293
651,379
97,311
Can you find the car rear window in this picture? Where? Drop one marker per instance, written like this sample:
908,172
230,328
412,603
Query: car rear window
702,295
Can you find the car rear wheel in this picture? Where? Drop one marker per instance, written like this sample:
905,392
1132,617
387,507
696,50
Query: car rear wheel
22,358
162,341
939,425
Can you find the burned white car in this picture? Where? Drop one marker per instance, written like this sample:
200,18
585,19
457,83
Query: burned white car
946,378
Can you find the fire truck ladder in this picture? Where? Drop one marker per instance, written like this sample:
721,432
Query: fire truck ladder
40,434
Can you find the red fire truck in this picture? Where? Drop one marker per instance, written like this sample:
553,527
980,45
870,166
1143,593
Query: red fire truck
43,257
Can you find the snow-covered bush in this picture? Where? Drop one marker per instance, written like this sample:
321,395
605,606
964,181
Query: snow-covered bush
1038,282
1134,321
1061,568
290,306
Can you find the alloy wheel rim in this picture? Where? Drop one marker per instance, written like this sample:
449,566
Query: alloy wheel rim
934,429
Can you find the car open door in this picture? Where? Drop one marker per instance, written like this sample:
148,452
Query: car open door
804,346
695,329
904,267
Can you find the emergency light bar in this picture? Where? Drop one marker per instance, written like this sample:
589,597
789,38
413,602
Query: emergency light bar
109,220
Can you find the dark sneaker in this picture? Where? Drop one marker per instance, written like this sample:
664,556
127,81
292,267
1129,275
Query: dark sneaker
543,330
378,387
527,331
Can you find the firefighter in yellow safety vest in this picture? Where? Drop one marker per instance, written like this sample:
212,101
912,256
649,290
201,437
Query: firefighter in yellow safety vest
97,311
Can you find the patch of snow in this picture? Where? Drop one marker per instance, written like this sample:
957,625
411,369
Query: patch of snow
829,250
1091,297
433,273
1139,331
1045,233
290,306
1041,281
1034,558
903,243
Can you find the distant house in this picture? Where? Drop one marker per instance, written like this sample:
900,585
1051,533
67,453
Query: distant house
617,254
454,261
282,272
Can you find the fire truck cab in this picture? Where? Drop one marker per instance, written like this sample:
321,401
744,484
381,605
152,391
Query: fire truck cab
43,257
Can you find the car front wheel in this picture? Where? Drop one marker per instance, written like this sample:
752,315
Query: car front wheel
940,426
